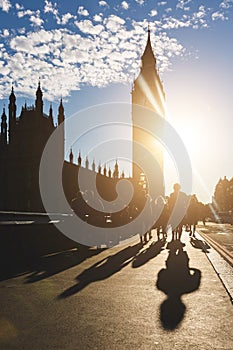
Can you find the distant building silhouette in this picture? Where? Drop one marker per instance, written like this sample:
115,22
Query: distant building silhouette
20,155
223,195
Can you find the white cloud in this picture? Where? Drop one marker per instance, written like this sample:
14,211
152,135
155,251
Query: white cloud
34,16
5,5
124,5
153,13
52,8
218,15
226,4
182,4
49,7
65,18
65,60
195,20
140,2
36,20
82,11
103,3
87,27
201,12
19,7
22,30
162,3
21,14
98,17
173,23
114,23
6,32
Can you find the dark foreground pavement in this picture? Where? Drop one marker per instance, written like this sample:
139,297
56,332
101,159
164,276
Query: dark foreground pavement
126,297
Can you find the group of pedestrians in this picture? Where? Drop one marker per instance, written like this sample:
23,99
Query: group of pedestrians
180,211
176,211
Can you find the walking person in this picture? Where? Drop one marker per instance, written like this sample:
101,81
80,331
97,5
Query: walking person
177,206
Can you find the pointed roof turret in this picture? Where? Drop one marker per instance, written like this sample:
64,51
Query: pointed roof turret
105,170
61,116
50,111
79,159
148,57
38,91
71,156
51,114
61,108
116,170
4,115
39,100
87,163
3,135
12,97
93,165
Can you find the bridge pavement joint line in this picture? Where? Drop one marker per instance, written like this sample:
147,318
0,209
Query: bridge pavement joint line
222,262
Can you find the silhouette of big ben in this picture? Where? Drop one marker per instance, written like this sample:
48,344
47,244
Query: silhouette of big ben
148,98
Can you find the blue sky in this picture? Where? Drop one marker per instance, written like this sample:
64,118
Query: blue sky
89,52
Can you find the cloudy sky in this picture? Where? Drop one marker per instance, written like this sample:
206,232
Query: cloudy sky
88,52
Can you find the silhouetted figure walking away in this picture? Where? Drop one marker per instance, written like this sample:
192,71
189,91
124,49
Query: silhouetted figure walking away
177,204
193,214
176,279
161,223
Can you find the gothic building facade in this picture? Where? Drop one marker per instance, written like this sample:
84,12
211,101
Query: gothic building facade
22,142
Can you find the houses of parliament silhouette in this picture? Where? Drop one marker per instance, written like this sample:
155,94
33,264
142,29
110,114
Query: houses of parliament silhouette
23,138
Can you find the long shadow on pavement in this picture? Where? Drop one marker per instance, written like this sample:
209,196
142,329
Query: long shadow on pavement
200,244
40,267
103,269
38,250
53,264
151,252
175,280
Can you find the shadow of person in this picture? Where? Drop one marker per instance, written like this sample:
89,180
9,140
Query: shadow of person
151,252
53,264
200,244
177,279
103,269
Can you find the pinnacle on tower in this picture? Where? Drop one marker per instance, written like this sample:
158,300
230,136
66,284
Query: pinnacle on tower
3,128
105,170
12,114
50,111
148,59
51,114
116,170
87,163
61,116
39,100
79,159
71,156
93,165
12,97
